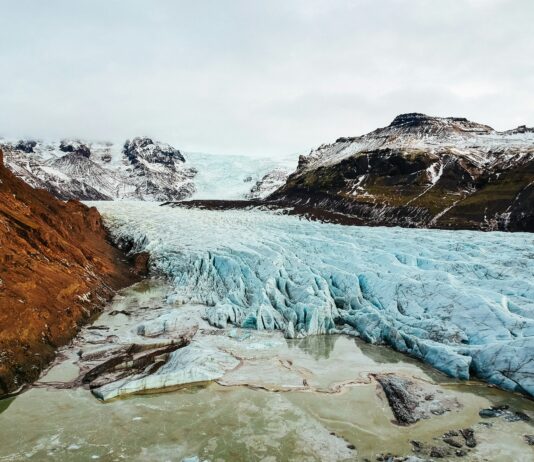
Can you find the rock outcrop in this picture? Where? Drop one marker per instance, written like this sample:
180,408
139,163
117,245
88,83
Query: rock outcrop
157,170
423,171
268,183
412,400
56,270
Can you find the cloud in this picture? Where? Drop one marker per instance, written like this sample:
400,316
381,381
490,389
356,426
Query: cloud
259,78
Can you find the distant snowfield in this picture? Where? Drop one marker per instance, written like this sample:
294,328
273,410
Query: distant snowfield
232,176
462,301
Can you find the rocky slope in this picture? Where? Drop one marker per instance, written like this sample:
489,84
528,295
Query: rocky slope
142,169
423,171
56,270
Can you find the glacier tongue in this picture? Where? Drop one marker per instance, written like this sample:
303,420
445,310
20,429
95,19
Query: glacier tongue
462,301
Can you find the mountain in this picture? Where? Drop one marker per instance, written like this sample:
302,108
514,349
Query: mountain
422,171
57,269
141,169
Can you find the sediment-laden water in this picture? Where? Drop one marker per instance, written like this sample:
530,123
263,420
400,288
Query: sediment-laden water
289,399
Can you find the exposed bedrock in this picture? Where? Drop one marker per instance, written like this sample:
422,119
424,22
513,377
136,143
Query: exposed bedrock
412,400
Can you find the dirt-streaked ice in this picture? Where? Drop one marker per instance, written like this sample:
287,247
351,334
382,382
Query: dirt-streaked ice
462,301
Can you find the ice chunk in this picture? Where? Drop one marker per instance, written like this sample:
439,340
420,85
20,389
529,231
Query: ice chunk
190,364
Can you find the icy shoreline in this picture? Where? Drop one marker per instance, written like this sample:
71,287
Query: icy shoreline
461,301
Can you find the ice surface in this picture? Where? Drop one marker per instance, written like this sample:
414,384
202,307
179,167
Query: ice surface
462,301
232,176
186,365
141,316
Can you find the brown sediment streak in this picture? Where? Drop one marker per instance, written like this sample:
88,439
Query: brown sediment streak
57,269
334,389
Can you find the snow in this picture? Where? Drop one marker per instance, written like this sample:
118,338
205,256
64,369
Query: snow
154,177
477,143
55,173
462,301
154,171
435,171
268,183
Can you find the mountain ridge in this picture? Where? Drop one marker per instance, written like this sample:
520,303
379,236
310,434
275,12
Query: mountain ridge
141,169
422,171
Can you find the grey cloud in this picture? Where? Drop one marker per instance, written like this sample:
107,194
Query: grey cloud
259,77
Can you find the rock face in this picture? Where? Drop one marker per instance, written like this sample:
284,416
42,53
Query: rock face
412,400
75,147
157,170
56,269
423,171
142,169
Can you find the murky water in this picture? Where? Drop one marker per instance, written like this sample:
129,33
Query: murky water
312,399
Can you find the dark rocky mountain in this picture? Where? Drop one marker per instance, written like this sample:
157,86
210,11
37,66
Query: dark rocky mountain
75,147
157,170
422,171
142,169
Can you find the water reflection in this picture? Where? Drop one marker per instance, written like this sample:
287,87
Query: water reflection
317,346
5,403
379,353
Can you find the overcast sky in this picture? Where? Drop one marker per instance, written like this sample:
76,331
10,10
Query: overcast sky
268,77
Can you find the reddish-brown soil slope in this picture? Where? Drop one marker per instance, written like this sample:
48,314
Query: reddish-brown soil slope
56,270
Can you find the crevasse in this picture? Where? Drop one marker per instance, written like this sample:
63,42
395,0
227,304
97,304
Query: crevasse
462,301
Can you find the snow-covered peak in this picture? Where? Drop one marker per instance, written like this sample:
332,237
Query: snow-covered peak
74,169
478,143
76,147
421,123
145,149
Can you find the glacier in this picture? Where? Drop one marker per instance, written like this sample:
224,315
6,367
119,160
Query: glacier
227,176
462,301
